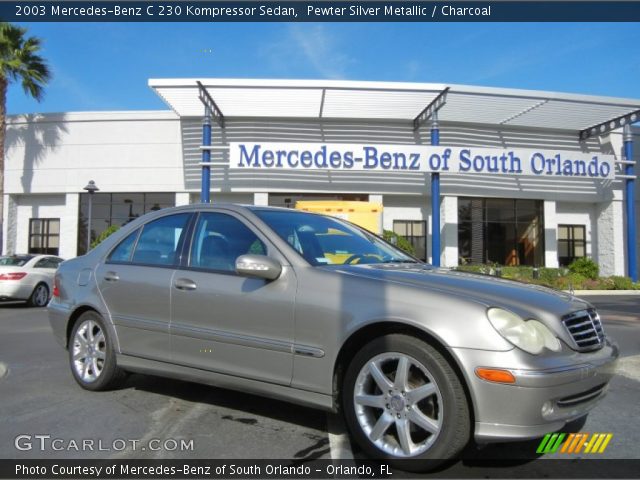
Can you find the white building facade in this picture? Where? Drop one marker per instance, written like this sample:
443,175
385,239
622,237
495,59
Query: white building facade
143,161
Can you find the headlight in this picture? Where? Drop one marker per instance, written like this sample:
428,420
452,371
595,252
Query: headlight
529,335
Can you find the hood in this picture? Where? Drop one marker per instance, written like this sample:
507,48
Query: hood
528,301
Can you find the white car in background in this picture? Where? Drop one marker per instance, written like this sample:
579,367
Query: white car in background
28,278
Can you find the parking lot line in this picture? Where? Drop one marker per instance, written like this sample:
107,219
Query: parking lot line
339,443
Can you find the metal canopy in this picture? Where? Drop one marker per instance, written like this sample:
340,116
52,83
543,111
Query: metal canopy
392,101
621,121
210,105
431,110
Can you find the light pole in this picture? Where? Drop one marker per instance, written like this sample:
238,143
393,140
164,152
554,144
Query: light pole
129,202
91,188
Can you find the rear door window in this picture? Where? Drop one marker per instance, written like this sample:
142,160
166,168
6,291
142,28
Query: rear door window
122,253
161,241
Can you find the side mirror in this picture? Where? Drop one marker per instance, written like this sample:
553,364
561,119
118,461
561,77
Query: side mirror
259,266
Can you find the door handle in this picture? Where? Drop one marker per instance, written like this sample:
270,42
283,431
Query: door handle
111,277
185,284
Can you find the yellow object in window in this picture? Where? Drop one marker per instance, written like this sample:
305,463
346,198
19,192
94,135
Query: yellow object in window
367,215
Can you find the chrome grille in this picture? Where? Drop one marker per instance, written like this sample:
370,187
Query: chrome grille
585,329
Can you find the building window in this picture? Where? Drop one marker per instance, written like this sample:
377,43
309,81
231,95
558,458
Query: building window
116,209
500,230
415,231
44,236
572,243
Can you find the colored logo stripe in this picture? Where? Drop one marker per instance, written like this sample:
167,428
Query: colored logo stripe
550,443
600,442
575,442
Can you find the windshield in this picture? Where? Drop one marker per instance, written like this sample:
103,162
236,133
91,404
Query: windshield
325,240
15,260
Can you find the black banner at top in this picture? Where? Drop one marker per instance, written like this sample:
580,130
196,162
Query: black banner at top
319,11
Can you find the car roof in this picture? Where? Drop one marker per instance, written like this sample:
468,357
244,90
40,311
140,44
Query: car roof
237,207
199,207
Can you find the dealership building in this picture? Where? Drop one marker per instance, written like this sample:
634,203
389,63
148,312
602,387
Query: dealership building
468,174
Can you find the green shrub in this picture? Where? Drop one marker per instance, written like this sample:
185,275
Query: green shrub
589,284
573,280
550,275
399,241
523,273
475,268
102,237
517,273
585,267
581,275
622,283
605,283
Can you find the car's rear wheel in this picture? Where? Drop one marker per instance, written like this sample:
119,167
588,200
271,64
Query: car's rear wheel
404,403
91,354
40,296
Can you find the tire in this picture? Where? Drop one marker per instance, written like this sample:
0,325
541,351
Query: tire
416,423
39,297
91,355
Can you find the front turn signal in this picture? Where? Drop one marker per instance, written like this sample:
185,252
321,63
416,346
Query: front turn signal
495,375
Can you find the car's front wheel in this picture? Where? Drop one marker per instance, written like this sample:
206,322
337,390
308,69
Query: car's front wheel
404,403
91,354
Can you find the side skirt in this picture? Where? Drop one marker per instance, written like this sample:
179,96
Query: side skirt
279,392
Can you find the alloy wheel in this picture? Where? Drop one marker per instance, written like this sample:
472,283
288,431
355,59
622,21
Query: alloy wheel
89,351
41,296
398,404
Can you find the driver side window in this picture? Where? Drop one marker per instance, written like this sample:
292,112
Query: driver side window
219,240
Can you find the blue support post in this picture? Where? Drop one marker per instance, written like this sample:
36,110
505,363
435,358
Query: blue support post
435,199
206,157
632,259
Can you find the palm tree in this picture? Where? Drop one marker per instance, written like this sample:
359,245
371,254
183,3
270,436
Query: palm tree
19,62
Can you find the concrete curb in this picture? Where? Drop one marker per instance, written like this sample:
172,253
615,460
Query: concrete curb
604,292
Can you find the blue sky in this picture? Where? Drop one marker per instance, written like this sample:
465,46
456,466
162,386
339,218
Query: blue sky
105,66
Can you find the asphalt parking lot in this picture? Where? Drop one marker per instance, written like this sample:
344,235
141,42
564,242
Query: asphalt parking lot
39,397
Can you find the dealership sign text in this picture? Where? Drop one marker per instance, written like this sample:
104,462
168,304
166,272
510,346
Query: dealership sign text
417,158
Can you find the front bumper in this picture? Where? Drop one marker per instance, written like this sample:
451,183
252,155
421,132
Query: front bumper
549,390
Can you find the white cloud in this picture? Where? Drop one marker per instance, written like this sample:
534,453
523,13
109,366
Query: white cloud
413,69
312,46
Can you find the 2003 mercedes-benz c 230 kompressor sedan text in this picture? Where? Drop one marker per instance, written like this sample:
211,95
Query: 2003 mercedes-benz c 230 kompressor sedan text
314,310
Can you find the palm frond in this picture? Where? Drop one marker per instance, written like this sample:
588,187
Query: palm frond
20,60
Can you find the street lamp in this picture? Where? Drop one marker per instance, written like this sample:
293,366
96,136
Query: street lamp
91,188
129,202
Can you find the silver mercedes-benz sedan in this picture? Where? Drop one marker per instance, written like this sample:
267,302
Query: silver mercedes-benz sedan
314,310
